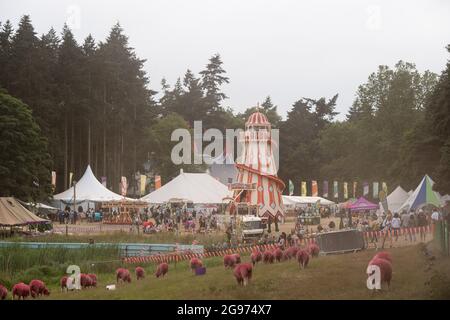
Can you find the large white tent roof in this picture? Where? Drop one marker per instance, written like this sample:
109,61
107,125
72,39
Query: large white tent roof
196,187
305,200
396,199
88,188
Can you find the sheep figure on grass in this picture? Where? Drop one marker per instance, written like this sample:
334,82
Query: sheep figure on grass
243,273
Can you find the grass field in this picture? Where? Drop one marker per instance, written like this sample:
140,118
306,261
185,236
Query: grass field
327,277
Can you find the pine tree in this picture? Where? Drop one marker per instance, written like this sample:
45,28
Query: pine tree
213,77
24,161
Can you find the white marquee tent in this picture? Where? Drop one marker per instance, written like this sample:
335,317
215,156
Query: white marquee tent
396,199
292,200
89,189
199,188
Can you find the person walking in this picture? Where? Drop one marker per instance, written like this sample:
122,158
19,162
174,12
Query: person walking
387,228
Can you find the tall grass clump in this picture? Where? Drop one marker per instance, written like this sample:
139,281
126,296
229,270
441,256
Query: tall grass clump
18,263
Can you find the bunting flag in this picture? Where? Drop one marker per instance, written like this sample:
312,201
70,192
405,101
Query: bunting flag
70,178
314,189
375,190
355,185
104,181
325,189
54,180
345,190
124,186
384,187
304,189
291,188
157,182
143,183
365,189
336,190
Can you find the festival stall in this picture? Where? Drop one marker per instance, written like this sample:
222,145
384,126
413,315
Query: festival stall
362,204
422,196
395,199
87,191
122,211
13,215
198,188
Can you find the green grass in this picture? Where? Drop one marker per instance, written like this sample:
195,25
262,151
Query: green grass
24,264
328,277
126,237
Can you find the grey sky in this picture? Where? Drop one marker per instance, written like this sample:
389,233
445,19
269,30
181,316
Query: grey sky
286,49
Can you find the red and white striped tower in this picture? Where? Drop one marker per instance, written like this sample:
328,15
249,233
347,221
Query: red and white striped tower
256,165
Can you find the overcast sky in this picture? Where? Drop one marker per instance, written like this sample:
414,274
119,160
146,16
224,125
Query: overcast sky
285,49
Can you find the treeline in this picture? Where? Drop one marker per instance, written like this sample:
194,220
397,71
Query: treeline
94,106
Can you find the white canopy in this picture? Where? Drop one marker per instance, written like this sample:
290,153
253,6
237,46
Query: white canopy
196,187
396,199
88,188
305,200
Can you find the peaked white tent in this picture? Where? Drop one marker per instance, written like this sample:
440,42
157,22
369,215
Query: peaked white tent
88,188
396,199
291,200
196,187
422,195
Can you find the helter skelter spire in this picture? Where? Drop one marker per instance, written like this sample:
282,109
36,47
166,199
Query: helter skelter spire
257,168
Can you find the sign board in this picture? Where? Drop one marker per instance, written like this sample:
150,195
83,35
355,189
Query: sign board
242,186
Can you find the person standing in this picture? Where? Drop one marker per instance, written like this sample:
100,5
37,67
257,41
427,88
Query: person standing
387,228
422,223
404,217
396,223
435,216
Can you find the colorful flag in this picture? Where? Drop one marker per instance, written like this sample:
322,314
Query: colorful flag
54,180
157,182
104,181
384,187
325,189
291,187
336,190
304,190
375,190
314,188
143,183
345,190
124,186
70,178
355,184
365,189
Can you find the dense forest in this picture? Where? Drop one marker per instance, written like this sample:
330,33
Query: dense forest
93,104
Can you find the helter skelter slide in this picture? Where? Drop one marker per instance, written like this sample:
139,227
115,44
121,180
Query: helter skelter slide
258,185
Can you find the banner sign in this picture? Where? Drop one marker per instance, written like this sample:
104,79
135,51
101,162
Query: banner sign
157,182
325,189
384,187
314,189
345,190
241,186
291,188
304,190
336,190
70,178
375,190
124,186
143,183
54,179
365,189
355,184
